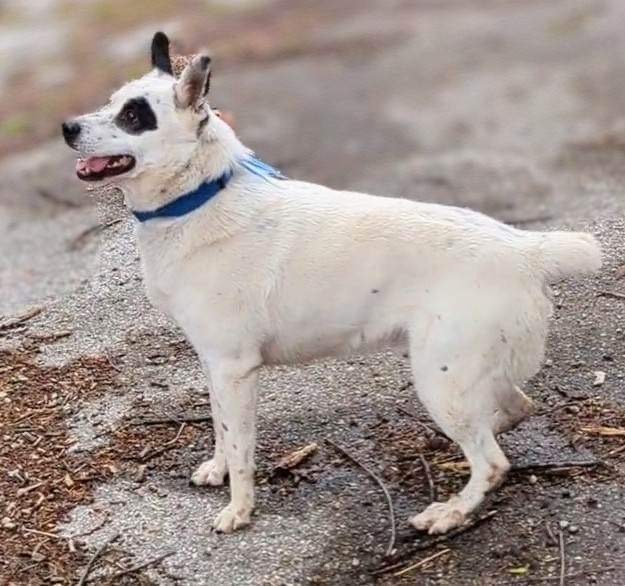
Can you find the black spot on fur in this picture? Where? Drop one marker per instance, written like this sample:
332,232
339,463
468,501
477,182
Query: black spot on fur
160,53
374,291
207,83
444,368
224,426
136,117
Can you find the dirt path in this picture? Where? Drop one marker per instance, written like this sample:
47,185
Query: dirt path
511,108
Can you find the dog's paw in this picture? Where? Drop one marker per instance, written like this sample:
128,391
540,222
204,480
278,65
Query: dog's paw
439,517
209,473
230,519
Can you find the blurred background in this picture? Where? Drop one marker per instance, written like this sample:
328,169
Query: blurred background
485,103
512,107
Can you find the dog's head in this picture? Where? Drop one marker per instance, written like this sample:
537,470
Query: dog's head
155,122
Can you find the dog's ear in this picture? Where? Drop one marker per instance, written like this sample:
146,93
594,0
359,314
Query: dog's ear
194,82
207,84
160,53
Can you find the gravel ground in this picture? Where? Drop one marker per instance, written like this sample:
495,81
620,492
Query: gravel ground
511,108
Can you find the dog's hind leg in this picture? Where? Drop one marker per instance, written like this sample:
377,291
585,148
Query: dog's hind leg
513,407
460,396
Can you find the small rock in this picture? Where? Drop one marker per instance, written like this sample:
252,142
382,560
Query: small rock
355,562
564,525
437,443
533,479
8,523
573,529
599,378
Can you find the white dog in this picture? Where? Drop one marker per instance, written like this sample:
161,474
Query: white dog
261,270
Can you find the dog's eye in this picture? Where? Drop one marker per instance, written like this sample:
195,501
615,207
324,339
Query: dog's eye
136,116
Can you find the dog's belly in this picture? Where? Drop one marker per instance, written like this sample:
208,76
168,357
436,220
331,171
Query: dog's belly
313,343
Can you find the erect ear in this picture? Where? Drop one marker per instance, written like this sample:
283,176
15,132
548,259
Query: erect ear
194,82
207,83
160,53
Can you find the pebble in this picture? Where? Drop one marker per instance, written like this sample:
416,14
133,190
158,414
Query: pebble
599,378
533,479
573,529
564,524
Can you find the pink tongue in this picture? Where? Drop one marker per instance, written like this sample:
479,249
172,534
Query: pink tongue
92,164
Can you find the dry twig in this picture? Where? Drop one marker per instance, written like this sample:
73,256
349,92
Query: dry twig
470,526
79,240
44,533
613,294
173,420
552,537
616,451
428,476
295,458
423,562
562,558
604,430
20,319
94,557
140,566
97,526
389,501
165,447
113,365
556,467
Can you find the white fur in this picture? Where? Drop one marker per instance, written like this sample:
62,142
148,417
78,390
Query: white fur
275,272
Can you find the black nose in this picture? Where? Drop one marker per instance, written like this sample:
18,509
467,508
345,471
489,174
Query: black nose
71,130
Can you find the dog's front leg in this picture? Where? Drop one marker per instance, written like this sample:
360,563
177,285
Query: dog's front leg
213,471
234,393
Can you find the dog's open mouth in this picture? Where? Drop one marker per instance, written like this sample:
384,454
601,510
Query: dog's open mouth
97,168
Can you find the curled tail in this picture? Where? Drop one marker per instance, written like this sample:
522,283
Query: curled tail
566,254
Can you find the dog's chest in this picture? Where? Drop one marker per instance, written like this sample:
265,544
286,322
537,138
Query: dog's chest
157,287
160,272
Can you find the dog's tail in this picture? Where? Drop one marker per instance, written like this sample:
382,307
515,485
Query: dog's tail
566,254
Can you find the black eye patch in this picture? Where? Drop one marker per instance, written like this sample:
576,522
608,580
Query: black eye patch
136,116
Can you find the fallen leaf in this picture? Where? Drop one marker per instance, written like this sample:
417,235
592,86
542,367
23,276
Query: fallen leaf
599,378
464,465
296,458
520,571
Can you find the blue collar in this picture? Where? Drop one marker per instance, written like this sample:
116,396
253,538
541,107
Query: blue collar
188,202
